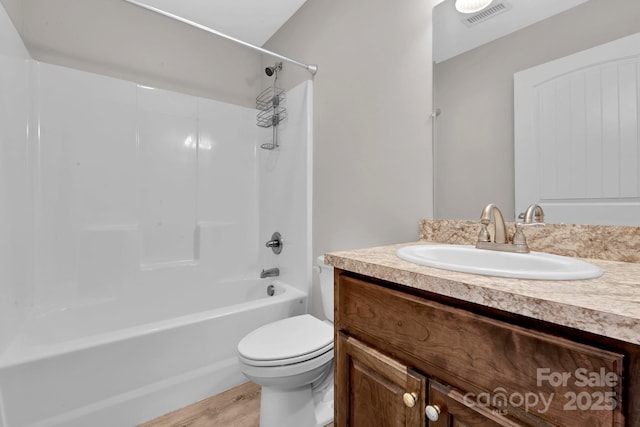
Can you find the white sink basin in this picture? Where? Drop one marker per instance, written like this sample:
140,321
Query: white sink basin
468,259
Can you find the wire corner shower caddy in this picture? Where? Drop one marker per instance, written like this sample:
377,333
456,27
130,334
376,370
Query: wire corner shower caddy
270,106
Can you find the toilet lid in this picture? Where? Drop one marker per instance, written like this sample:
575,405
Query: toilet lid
288,338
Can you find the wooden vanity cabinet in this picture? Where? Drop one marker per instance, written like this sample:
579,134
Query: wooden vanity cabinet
381,391
399,350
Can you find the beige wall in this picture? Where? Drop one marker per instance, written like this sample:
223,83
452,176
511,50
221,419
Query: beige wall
474,133
14,9
372,139
372,154
115,38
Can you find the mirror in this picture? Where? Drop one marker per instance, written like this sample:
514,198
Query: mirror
473,91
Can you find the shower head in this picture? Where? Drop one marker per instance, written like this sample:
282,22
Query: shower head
270,70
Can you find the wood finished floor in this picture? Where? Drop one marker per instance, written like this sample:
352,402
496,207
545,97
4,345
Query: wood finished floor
238,407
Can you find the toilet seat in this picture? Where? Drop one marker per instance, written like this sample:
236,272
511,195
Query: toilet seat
286,342
289,361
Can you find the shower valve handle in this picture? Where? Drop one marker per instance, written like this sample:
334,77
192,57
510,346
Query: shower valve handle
275,243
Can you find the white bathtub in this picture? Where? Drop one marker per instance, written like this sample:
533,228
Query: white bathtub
120,362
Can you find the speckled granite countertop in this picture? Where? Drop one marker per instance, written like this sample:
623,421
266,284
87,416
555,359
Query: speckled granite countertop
609,305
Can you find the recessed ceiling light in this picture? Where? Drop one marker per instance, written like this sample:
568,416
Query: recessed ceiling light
471,6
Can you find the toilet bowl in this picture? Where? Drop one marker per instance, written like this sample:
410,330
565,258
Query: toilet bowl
292,359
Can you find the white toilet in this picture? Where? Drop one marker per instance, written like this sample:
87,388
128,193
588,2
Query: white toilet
292,359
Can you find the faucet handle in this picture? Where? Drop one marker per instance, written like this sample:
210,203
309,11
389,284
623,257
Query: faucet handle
275,243
519,239
484,236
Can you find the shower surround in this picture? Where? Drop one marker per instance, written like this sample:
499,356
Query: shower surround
133,224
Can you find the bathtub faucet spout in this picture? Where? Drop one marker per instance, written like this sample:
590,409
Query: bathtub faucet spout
272,272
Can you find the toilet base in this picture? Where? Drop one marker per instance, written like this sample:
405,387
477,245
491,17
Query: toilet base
299,407
287,408
322,391
324,407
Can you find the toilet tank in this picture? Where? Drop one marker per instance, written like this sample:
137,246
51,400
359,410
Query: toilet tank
326,287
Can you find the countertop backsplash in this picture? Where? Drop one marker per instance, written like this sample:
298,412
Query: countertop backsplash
607,242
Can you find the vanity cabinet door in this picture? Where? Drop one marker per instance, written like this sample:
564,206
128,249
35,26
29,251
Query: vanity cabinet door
376,390
450,407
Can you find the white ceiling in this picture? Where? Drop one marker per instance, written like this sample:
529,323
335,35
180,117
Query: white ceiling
255,21
452,37
252,21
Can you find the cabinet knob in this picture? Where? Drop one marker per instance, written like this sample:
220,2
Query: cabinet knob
433,412
410,399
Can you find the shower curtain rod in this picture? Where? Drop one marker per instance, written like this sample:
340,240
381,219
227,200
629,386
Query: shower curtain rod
312,68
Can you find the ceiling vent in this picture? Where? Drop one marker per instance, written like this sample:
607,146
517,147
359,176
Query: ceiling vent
488,13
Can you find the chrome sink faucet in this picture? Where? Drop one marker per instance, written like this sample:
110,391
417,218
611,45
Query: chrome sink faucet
500,235
532,217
